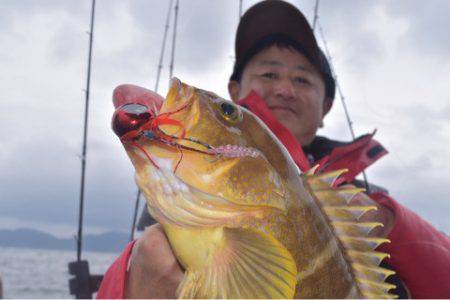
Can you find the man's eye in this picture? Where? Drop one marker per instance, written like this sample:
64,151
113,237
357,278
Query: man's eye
301,80
270,75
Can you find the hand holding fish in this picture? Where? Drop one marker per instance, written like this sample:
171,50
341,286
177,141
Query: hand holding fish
154,271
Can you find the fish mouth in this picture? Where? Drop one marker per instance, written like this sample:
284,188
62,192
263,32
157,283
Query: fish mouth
139,109
142,118
138,127
128,94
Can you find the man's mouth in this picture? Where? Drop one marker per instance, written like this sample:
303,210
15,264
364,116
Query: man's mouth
282,108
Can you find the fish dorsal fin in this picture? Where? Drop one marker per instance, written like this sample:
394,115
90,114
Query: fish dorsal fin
343,212
353,234
345,195
246,264
312,171
324,179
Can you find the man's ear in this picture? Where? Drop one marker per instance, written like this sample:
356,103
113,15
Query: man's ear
233,90
327,104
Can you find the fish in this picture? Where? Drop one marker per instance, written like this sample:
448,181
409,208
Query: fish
241,218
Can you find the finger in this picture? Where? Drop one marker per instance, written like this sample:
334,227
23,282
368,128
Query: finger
154,240
173,270
128,93
154,272
154,249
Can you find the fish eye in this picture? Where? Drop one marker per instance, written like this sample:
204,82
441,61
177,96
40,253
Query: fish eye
230,111
227,109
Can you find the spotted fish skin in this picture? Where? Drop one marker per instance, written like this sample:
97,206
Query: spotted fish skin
240,217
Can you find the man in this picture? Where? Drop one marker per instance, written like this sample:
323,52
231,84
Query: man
278,58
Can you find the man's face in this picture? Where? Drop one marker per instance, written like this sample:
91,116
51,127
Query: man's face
290,85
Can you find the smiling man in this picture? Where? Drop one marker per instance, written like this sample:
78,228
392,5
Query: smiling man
281,75
291,87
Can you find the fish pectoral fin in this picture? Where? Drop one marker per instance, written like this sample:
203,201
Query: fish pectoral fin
247,263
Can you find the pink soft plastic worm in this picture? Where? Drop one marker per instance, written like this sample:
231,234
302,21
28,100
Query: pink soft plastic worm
234,151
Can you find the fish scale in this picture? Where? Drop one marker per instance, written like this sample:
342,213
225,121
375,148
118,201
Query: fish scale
241,220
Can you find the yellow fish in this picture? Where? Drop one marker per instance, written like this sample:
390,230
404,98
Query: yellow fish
241,218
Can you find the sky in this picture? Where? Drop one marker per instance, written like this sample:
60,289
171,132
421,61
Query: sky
392,60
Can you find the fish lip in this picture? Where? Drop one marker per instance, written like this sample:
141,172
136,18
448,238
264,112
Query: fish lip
175,82
281,107
129,93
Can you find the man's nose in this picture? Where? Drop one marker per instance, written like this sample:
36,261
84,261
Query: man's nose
285,89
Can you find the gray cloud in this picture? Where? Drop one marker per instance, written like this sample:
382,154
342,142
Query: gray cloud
48,177
345,23
199,21
419,186
44,65
428,28
67,43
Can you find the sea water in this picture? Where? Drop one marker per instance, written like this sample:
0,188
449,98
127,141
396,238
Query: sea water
36,273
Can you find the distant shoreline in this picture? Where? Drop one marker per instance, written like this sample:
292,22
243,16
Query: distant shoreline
34,239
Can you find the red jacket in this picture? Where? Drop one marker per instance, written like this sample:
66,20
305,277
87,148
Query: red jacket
419,253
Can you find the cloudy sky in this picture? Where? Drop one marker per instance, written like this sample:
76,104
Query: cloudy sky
392,59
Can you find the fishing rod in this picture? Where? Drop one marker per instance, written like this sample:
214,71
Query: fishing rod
83,285
338,86
240,9
85,133
163,46
158,74
316,15
172,58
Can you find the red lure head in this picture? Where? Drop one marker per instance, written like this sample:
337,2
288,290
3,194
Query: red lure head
130,118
